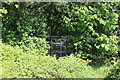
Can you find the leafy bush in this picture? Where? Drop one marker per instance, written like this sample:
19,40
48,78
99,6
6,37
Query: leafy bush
115,72
104,49
9,56
86,24
18,64
17,21
34,45
92,31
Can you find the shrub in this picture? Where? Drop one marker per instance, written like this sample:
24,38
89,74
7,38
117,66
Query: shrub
101,49
34,45
18,64
86,24
115,72
9,61
93,32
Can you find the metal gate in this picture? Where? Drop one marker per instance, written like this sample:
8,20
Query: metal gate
58,46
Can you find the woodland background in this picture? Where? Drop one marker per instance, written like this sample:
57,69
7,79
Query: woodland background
93,28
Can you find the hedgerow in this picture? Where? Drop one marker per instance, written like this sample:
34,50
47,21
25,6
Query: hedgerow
115,71
93,27
19,64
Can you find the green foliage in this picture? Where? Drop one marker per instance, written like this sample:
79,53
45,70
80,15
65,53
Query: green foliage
34,45
92,31
20,21
87,25
9,27
92,27
32,21
115,72
3,11
9,56
18,64
103,71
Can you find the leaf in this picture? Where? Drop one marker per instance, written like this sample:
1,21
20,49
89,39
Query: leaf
1,15
97,47
16,5
91,28
4,10
102,45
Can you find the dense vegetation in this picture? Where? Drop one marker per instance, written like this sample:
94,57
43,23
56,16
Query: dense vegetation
93,28
18,64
